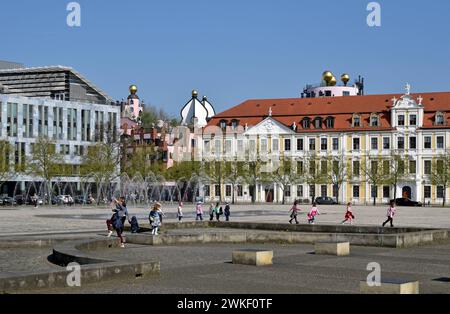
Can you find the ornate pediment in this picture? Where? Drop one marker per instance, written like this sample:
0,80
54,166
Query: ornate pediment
269,126
407,101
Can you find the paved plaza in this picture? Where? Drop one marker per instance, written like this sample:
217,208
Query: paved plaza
27,220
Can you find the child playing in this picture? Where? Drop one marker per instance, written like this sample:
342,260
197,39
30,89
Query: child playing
155,221
390,214
312,214
349,214
294,213
180,211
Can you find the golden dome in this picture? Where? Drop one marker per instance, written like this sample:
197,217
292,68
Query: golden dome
333,81
327,76
345,78
133,89
194,93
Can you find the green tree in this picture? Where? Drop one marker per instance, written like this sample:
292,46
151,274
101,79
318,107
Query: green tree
312,173
5,166
45,163
394,170
440,173
374,172
338,174
284,176
234,175
100,165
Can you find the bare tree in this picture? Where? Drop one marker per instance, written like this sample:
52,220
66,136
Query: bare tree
338,174
284,175
5,166
374,174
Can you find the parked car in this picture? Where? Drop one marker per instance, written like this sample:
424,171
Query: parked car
407,202
20,199
82,200
325,200
9,201
57,200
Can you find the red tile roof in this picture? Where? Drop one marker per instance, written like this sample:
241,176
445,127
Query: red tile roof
288,111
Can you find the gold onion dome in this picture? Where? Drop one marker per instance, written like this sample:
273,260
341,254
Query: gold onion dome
327,76
133,89
194,93
345,78
333,81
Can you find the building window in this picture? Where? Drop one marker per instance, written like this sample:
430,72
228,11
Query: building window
312,190
312,144
287,191
413,142
356,191
386,192
318,123
323,191
223,124
345,93
374,120
356,168
356,143
287,145
440,191
401,142
206,189
299,190
427,167
413,120
275,144
427,191
356,121
439,118
263,145
401,120
234,124
228,146
440,142
374,143
335,144
386,143
386,167
300,168
427,142
374,191
228,190
330,122
324,167
240,191
217,190
412,167
324,144
300,144
306,123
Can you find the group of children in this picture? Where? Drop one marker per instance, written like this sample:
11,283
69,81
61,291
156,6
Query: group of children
349,216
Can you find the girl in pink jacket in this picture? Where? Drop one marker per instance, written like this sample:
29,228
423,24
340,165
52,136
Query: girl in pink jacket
312,214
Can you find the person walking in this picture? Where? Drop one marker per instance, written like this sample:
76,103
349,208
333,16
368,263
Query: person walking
390,214
294,212
218,211
227,211
349,214
180,212
211,212
312,214
160,212
199,211
155,222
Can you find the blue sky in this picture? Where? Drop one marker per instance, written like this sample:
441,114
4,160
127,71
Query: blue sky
232,50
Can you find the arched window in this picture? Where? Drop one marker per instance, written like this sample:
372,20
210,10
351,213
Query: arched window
356,120
329,122
440,118
223,124
374,119
234,124
306,123
318,123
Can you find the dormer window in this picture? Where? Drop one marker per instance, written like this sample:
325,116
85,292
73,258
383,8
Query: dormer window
330,122
234,124
318,123
356,120
223,124
306,123
374,119
439,118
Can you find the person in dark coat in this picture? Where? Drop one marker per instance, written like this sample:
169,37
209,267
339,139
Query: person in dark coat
227,212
